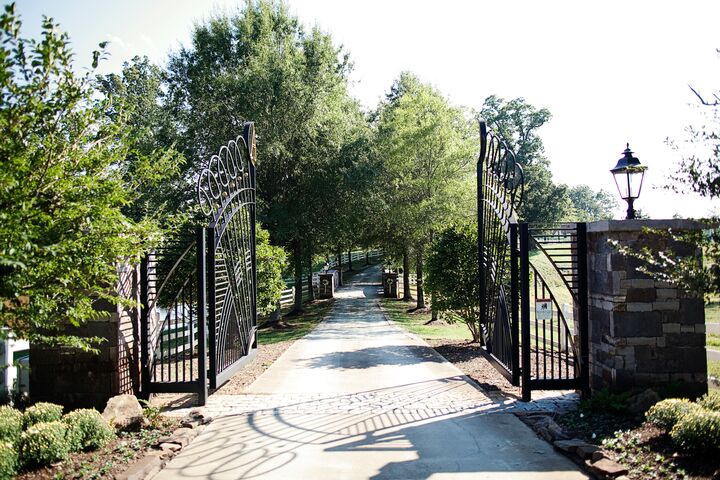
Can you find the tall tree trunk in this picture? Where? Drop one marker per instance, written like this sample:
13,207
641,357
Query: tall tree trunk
406,276
311,292
434,312
339,267
419,273
367,257
297,260
350,260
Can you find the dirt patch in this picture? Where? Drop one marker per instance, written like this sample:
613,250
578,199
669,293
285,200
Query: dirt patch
266,356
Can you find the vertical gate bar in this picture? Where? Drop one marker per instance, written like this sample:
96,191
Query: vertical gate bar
211,327
144,340
249,133
583,309
525,310
481,221
201,315
514,304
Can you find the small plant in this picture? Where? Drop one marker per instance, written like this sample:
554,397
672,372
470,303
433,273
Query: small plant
44,443
698,430
11,424
151,413
42,412
606,401
666,413
87,430
8,460
711,401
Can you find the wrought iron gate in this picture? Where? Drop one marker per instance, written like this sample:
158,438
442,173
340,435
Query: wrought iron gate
199,294
544,348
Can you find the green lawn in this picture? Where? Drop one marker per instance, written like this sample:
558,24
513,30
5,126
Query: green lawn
397,310
293,328
712,311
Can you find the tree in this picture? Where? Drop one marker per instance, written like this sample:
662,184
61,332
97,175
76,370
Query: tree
589,205
271,262
452,276
428,150
62,190
517,123
261,64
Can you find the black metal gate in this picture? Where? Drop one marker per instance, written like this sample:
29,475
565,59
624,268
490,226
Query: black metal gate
198,321
523,265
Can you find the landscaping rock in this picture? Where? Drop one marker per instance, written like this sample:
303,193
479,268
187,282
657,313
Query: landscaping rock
642,402
123,411
568,446
549,430
173,447
586,451
597,455
608,468
145,467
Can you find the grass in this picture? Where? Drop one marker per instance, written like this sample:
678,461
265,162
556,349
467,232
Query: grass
397,310
712,311
295,327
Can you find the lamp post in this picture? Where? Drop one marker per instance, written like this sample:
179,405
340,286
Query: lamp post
629,175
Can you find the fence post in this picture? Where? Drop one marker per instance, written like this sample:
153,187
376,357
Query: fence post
514,304
201,315
525,310
144,334
583,309
210,275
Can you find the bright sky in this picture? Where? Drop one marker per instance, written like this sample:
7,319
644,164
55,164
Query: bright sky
610,72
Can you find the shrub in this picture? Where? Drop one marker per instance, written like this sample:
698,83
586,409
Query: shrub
87,430
11,424
44,443
42,412
8,460
606,401
698,430
666,413
711,401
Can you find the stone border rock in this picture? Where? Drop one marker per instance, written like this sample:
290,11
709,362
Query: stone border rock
166,448
585,454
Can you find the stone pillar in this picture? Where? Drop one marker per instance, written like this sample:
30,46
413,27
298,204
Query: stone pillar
77,379
390,284
326,288
643,333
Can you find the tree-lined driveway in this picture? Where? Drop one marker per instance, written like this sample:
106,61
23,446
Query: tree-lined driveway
361,398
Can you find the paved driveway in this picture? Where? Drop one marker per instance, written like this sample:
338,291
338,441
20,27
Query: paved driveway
361,398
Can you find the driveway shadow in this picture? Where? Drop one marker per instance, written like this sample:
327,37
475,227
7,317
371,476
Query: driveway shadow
376,356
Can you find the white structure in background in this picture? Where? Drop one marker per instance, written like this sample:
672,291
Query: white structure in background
14,364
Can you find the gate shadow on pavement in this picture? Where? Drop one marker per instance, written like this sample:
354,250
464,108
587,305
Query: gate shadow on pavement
377,434
376,356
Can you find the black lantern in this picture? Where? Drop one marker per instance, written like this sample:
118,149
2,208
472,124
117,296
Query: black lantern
628,175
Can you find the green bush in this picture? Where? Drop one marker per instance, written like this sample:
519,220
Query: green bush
8,460
43,444
606,401
11,424
698,430
42,412
87,430
711,401
666,413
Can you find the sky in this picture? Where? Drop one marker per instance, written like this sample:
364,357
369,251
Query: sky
610,72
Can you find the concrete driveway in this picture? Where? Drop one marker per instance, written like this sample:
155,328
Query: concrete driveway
361,398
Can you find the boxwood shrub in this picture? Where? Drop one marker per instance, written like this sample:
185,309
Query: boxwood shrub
43,444
11,424
8,460
87,429
711,401
42,412
698,430
666,413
